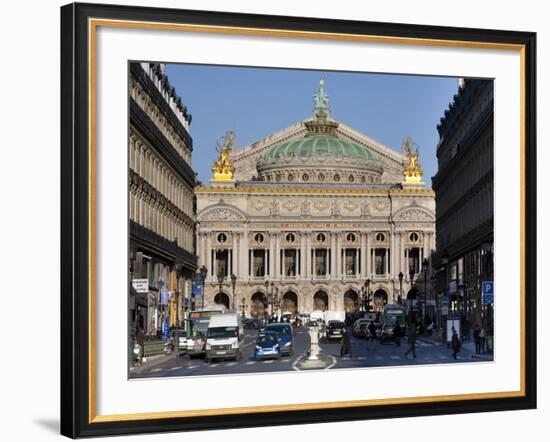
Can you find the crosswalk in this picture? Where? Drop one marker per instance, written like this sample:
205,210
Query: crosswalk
222,364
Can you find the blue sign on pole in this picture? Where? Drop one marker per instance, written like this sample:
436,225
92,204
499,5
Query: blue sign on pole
164,296
165,331
197,291
487,290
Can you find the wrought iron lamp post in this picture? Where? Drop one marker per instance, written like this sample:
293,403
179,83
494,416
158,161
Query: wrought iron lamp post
400,276
367,300
267,298
220,283
425,266
203,273
233,282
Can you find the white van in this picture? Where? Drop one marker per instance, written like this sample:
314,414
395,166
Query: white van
224,337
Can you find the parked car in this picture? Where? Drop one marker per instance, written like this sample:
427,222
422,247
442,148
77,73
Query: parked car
251,323
356,329
285,336
388,335
267,346
334,330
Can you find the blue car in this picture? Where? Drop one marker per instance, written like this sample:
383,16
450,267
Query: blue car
285,336
267,346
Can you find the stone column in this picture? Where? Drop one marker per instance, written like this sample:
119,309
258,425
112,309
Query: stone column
307,256
229,261
333,261
363,270
208,254
244,256
357,272
277,253
338,256
303,258
272,255
235,254
393,253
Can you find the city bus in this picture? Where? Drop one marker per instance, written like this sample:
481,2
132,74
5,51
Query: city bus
394,313
196,326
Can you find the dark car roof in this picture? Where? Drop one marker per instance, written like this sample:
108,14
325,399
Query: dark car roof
278,327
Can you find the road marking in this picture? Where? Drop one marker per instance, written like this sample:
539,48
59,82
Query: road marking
250,362
174,368
269,361
395,357
362,358
334,361
443,357
379,358
156,370
213,365
231,364
294,365
285,360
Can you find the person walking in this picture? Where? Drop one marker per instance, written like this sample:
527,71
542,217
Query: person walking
477,339
346,344
482,334
371,335
412,340
455,343
397,333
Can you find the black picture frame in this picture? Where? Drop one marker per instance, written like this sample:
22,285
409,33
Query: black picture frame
76,416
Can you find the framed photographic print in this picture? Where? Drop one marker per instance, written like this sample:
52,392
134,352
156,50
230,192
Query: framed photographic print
276,220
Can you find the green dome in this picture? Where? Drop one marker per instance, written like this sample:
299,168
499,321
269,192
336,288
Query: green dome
321,146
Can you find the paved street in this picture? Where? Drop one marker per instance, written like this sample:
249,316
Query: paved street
383,355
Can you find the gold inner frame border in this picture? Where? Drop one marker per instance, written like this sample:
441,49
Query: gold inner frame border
93,24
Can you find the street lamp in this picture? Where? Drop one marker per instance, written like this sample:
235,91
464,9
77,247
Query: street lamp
425,265
243,306
220,283
367,300
400,276
233,281
266,297
203,272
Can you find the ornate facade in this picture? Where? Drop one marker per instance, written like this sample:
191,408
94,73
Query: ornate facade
162,204
323,209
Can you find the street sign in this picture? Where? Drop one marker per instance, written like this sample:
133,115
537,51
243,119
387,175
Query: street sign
445,302
141,285
488,296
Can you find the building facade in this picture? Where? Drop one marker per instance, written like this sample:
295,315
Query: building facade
317,216
162,205
464,202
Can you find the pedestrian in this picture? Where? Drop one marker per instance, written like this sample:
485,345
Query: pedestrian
455,343
412,340
371,336
482,334
346,344
477,339
397,333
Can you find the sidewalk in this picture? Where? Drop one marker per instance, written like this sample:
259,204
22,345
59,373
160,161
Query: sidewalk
467,347
152,361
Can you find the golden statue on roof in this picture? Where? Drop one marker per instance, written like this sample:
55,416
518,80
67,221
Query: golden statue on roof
223,168
412,171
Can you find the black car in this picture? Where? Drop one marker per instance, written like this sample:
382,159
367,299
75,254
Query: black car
334,330
388,335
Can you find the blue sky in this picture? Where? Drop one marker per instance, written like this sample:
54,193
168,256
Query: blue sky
255,102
